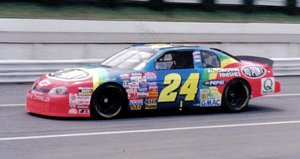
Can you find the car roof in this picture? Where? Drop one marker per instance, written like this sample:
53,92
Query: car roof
169,46
182,46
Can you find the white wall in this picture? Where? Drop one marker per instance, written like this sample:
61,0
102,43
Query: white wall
28,39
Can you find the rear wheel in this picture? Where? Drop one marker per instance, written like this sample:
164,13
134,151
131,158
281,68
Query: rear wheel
236,96
108,102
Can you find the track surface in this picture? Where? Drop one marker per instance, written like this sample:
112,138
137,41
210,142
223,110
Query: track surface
268,130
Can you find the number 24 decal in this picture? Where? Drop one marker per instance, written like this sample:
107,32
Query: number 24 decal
173,81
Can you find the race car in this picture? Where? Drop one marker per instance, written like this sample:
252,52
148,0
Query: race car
153,77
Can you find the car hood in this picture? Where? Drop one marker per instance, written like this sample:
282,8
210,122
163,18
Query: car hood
83,72
94,74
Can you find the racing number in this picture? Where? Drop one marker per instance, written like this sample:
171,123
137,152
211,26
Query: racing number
167,94
173,81
190,87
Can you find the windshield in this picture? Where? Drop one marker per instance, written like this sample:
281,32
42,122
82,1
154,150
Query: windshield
131,58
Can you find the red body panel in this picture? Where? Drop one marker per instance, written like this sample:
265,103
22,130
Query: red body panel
57,106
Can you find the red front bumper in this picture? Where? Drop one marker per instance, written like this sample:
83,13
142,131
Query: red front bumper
51,105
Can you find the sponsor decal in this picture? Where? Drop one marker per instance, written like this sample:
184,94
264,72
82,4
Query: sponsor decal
69,74
152,83
152,94
136,76
138,85
253,71
153,88
204,91
136,104
143,89
125,76
39,98
72,100
142,80
44,83
151,103
268,85
143,85
85,91
134,85
126,83
83,106
135,107
131,90
203,96
196,53
84,111
210,102
72,111
142,94
209,97
225,72
197,56
214,83
150,76
230,74
83,100
132,95
214,90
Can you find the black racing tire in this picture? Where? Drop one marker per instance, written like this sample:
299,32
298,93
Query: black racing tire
108,102
236,96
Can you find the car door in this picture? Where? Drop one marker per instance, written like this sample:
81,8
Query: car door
178,78
209,93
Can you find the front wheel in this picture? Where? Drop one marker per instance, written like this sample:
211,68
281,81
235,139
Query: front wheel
236,96
108,102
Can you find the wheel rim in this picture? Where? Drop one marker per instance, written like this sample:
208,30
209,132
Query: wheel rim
108,103
237,95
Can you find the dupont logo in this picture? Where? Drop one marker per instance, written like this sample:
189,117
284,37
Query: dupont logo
254,71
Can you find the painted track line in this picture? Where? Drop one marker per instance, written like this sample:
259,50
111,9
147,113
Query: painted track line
149,130
283,95
12,105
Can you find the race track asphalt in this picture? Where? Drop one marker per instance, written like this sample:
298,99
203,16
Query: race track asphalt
269,129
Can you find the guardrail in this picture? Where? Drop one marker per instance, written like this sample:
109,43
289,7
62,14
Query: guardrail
286,66
20,71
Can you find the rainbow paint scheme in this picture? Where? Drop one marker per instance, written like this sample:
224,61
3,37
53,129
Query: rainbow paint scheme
149,88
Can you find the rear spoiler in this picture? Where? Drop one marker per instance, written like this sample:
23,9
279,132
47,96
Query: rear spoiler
261,60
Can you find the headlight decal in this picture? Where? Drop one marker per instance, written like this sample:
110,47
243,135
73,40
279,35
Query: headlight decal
58,91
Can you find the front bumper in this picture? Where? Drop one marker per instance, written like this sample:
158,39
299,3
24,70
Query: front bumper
52,105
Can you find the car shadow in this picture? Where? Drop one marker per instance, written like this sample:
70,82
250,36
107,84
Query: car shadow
252,109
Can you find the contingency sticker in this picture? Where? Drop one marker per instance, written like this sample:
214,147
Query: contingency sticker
80,101
210,97
268,85
141,88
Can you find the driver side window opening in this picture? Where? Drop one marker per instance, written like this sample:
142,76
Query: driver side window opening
210,60
178,59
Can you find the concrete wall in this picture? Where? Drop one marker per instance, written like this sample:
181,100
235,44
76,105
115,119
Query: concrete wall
29,39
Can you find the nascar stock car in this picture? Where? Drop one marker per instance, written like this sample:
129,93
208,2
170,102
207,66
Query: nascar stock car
150,77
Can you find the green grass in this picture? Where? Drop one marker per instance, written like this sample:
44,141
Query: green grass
92,12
